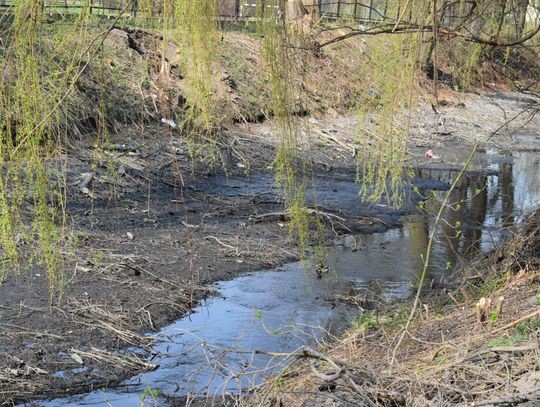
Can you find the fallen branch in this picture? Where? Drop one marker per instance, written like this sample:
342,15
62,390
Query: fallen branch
285,214
316,356
330,137
227,246
130,363
512,400
493,349
235,250
517,321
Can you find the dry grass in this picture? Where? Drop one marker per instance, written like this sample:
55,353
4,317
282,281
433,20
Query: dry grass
323,81
448,356
96,331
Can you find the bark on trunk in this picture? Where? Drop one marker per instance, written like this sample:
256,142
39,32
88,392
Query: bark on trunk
312,10
295,11
520,14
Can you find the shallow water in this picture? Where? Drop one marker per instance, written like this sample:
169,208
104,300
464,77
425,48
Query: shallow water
285,309
485,205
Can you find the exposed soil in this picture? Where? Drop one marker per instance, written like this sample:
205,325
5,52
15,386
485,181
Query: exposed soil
151,226
145,248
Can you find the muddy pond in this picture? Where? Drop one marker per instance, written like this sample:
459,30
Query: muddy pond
284,309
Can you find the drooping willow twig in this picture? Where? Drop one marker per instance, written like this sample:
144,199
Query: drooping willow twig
102,36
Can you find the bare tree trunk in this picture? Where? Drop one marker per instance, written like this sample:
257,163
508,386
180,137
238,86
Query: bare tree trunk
313,11
501,14
520,14
295,11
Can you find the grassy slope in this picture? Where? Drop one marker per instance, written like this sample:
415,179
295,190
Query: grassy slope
128,75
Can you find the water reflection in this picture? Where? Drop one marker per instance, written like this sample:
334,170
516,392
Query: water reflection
481,208
418,239
273,311
506,194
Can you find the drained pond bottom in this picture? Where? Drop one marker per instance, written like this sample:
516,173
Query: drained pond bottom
285,309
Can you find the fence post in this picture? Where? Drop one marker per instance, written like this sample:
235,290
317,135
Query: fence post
338,8
370,11
237,9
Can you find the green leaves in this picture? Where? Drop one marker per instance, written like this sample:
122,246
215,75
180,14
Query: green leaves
147,394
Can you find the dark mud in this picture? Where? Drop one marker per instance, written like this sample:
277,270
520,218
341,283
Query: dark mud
143,251
284,309
146,248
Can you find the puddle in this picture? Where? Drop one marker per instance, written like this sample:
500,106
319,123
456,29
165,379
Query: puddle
283,310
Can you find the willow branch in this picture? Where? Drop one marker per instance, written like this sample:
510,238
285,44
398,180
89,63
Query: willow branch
429,247
407,28
103,37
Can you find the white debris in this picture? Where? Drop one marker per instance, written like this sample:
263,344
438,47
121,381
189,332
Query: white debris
86,191
168,122
77,358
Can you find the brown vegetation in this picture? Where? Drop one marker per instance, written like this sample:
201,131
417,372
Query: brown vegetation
448,356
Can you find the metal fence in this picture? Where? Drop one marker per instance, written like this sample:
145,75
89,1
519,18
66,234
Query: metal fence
361,10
